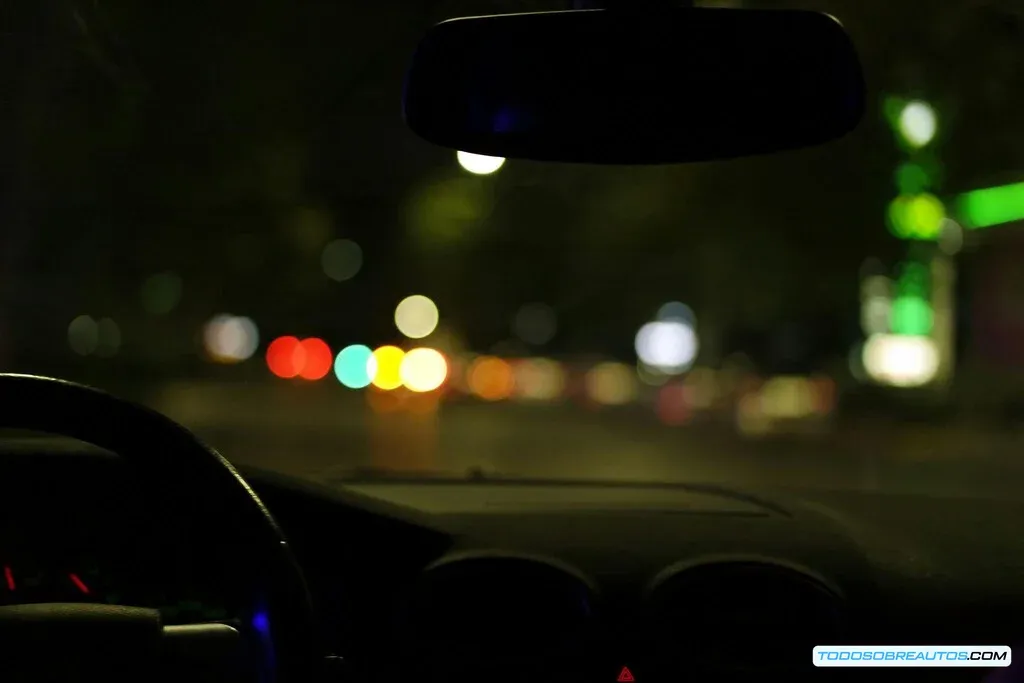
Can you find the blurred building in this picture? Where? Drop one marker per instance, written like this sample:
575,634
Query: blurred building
990,370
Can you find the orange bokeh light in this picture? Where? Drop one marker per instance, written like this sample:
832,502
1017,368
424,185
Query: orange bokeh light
492,379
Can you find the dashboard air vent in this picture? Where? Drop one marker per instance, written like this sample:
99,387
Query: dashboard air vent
741,617
506,617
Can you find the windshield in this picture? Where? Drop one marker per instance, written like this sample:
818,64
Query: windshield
215,208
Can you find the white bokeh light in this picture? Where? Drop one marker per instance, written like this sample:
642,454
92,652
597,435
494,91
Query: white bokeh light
109,337
535,324
341,260
230,338
677,311
83,335
416,316
917,123
479,164
900,360
875,314
668,346
423,370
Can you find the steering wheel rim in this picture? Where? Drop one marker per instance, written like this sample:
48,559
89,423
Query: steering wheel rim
169,455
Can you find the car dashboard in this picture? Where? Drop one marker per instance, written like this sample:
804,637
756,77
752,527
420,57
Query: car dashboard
75,526
520,581
439,580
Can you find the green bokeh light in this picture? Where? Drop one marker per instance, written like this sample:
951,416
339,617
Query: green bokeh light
991,206
916,217
913,279
161,293
911,315
912,179
891,108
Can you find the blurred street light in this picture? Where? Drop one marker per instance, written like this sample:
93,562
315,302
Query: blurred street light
341,260
611,384
109,338
416,316
318,359
901,360
535,324
539,379
230,338
991,206
352,366
161,293
83,335
310,359
676,311
479,164
491,379
916,217
917,123
423,370
286,357
384,367
668,346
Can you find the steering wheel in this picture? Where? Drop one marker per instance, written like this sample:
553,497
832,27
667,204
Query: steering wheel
71,642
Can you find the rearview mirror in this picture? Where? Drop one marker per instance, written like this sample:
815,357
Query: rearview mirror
620,87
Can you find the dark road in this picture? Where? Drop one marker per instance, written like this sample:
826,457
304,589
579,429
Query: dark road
322,434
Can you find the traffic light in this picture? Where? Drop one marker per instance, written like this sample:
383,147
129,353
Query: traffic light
916,213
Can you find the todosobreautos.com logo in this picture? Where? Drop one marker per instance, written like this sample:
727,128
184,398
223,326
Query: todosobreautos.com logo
912,655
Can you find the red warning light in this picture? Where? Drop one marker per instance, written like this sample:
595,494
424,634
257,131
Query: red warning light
79,584
625,676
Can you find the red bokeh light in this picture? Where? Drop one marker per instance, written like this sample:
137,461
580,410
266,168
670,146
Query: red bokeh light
286,357
318,359
673,405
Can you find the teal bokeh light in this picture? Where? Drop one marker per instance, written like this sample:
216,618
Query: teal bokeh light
351,366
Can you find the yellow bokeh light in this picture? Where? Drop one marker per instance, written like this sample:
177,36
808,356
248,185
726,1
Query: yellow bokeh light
423,370
386,364
416,316
611,384
539,379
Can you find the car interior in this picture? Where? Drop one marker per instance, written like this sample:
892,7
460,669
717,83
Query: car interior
133,550
461,580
